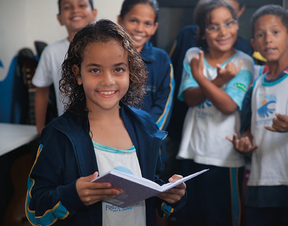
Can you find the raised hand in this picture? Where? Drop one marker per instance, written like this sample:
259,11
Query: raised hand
242,145
92,192
174,194
229,72
280,124
197,65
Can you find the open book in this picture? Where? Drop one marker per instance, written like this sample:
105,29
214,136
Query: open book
134,188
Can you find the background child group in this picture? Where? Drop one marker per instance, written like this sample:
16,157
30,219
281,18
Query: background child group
104,76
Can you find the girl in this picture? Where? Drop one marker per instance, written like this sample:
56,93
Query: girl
139,19
102,77
213,85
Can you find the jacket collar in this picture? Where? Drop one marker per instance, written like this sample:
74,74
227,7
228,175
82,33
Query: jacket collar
147,53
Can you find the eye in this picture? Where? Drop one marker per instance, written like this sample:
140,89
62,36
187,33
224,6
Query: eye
148,24
259,35
213,28
66,7
82,5
119,70
133,21
94,70
275,32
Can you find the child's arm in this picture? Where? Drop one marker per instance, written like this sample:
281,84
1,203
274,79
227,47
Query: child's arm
90,193
210,90
41,101
243,145
280,124
174,194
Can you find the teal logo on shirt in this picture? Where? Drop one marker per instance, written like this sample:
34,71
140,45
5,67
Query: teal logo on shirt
206,102
267,107
240,86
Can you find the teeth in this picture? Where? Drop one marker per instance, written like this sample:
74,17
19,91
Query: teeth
107,93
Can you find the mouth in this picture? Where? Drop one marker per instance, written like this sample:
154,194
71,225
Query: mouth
76,18
137,38
107,93
224,41
270,50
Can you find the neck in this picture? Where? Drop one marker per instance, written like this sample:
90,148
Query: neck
102,115
218,57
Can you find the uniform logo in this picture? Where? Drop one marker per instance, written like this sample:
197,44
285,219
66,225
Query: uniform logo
240,86
267,106
206,102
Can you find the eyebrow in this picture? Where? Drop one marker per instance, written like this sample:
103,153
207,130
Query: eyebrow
98,65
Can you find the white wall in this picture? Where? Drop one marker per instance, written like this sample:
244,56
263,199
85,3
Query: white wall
24,21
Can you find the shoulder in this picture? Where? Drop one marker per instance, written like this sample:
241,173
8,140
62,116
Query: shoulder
192,52
160,54
141,120
247,61
56,47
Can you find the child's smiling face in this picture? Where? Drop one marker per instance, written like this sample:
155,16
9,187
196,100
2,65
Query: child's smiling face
75,14
140,24
223,39
104,75
271,38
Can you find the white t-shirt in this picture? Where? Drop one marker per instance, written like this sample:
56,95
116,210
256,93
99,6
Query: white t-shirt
49,68
110,158
270,159
205,127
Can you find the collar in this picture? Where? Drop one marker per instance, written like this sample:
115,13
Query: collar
147,53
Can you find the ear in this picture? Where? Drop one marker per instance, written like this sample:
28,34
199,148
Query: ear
241,11
59,19
119,21
94,14
75,70
155,28
252,42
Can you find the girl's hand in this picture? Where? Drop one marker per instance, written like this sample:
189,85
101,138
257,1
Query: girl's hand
92,192
227,73
197,65
280,124
174,194
243,145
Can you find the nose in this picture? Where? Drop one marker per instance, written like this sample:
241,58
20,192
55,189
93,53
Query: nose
222,30
139,27
268,37
107,79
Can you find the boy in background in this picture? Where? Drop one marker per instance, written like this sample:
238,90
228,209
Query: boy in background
264,122
74,15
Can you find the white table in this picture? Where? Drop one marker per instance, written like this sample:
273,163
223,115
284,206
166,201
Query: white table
13,136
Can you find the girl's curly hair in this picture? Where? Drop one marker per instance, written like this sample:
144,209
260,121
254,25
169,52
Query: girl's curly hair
100,31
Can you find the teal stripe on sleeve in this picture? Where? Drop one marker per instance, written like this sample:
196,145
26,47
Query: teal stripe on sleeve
163,118
51,215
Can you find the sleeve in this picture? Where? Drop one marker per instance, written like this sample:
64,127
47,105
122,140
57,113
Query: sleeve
187,80
43,74
238,86
49,201
246,112
161,109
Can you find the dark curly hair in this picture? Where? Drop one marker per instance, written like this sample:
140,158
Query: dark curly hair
100,31
202,17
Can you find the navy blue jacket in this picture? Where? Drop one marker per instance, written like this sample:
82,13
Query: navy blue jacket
160,85
66,153
184,41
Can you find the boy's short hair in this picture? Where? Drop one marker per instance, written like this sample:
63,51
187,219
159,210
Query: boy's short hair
275,10
59,5
240,2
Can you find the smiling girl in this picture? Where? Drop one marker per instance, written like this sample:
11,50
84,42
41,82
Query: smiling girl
214,82
103,77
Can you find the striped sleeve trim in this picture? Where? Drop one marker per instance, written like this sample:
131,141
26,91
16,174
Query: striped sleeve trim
163,118
51,215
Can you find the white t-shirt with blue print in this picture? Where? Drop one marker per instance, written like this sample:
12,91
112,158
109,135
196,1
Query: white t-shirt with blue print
126,161
205,127
269,160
